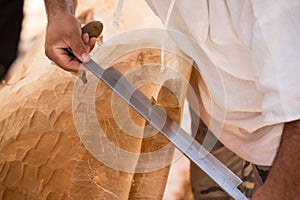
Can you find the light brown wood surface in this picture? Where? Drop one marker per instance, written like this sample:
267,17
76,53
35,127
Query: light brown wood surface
41,155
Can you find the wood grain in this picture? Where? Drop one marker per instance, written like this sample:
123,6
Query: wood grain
41,155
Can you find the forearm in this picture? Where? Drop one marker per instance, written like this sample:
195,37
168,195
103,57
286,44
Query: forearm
286,167
56,7
283,181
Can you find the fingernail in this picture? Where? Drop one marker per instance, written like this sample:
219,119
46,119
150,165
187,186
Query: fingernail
85,57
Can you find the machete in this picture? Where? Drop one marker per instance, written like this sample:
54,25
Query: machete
158,118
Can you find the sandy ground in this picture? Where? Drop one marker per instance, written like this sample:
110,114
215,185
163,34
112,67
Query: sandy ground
34,27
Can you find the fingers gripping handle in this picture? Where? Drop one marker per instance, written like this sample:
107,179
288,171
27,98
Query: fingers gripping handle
93,28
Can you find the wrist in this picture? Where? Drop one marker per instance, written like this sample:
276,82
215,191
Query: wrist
57,8
61,19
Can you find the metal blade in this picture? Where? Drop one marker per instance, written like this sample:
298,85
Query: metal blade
158,118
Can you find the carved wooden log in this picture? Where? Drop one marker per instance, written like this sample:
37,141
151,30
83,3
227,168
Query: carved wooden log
41,154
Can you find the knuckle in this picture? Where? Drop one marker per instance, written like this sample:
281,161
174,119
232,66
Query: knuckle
79,48
48,52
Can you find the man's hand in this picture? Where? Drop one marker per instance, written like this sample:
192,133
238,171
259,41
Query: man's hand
283,182
64,31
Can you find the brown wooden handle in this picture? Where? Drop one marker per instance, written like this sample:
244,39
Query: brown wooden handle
93,28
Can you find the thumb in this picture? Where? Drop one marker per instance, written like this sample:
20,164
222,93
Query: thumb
79,49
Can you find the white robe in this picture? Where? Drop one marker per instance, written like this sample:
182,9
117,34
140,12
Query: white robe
254,46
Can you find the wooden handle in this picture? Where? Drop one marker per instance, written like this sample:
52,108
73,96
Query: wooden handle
93,28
